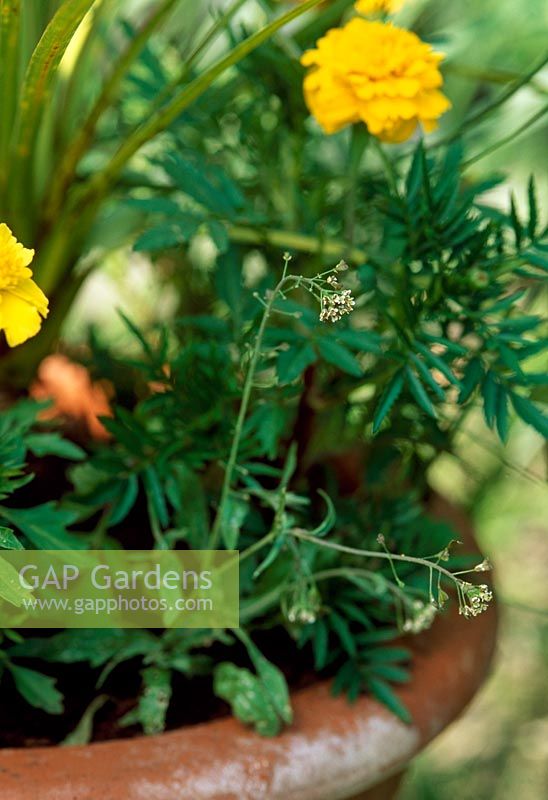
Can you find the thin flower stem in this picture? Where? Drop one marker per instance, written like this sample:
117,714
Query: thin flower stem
345,572
244,405
389,169
476,117
372,553
258,545
506,139
251,610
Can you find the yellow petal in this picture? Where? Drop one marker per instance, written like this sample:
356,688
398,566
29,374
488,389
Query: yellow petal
18,319
31,292
8,240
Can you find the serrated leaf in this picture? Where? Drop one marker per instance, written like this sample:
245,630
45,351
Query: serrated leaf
427,376
37,689
367,341
10,585
126,500
168,234
530,414
247,697
235,511
342,629
293,362
52,444
320,640
419,393
46,526
94,645
8,540
473,374
516,224
533,210
502,414
384,693
438,363
153,702
219,234
388,398
490,390
334,353
272,679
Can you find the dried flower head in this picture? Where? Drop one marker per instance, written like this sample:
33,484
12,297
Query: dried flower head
22,302
373,72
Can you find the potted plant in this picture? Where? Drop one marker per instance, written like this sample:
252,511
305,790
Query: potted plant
345,298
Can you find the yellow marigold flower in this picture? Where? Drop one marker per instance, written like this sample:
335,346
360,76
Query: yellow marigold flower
370,6
22,302
376,73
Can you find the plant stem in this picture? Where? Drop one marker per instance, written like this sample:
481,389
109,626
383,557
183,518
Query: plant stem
358,142
295,241
476,117
506,139
258,545
244,405
389,170
422,562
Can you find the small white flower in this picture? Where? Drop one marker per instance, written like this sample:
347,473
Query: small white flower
334,305
422,619
476,599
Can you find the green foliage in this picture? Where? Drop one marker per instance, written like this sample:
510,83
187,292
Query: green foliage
37,689
153,703
448,291
260,699
237,424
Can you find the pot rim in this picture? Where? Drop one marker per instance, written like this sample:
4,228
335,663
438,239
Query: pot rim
333,749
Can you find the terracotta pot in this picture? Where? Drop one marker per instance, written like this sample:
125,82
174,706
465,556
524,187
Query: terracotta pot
334,750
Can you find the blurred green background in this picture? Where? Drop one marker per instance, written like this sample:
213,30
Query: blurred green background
499,749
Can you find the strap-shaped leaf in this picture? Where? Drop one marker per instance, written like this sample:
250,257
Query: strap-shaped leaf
530,414
10,15
388,398
41,70
419,393
183,99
